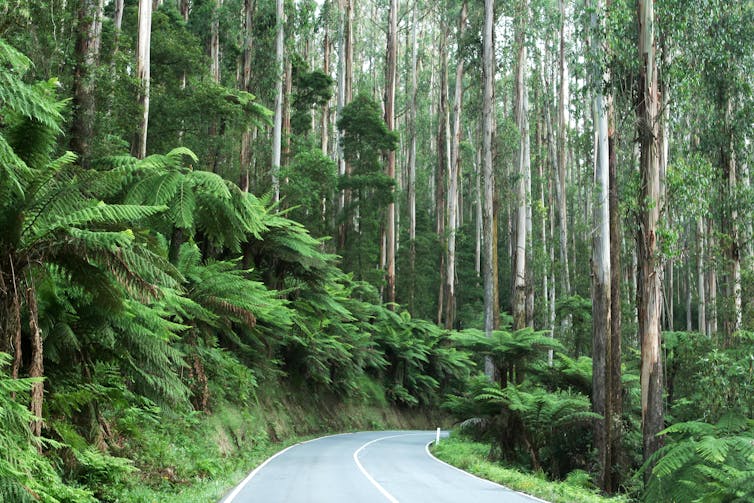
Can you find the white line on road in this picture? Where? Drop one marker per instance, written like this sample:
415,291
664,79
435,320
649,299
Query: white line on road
239,487
426,449
245,481
376,484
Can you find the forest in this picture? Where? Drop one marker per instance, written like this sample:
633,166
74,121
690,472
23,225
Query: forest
533,217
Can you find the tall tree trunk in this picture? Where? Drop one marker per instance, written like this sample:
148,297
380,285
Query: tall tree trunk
412,164
326,51
615,392
601,262
478,202
711,280
88,38
246,55
345,80
650,301
117,23
733,321
277,132
390,82
443,161
701,237
521,112
454,175
560,186
143,42
489,220
214,42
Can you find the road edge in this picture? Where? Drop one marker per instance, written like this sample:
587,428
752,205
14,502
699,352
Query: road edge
429,453
240,486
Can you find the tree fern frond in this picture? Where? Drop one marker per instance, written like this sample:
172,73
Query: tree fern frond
15,61
26,100
180,152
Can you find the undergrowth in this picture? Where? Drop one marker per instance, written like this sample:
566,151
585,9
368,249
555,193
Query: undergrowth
473,457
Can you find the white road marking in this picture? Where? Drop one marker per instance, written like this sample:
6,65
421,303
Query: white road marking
426,449
239,487
376,484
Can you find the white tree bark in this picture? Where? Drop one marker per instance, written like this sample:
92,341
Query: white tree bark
453,180
143,42
277,132
488,127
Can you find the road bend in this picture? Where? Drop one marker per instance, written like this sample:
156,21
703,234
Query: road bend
366,467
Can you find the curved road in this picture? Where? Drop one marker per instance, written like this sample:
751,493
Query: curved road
366,467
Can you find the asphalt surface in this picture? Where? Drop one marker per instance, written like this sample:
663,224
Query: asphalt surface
366,467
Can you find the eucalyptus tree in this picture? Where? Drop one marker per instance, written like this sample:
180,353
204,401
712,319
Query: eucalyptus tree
88,41
277,132
454,208
522,231
649,296
489,235
602,339
390,85
143,43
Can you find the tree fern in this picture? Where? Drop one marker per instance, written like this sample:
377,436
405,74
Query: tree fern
704,462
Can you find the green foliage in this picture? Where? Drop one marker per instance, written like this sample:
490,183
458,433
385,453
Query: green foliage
579,334
705,462
364,140
511,352
474,458
706,382
310,179
26,476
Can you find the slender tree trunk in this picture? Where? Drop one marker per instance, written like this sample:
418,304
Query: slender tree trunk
453,186
143,43
277,132
701,236
711,281
117,23
518,307
478,203
214,42
443,161
560,186
615,393
733,323
489,220
390,83
345,80
601,262
246,56
412,164
650,300
88,38
325,123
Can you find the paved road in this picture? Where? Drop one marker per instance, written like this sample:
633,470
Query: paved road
367,467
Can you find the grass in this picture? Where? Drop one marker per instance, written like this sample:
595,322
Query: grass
472,457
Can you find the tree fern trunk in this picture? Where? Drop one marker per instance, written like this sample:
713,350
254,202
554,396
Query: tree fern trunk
36,367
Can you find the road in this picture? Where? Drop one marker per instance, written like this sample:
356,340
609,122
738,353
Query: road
366,467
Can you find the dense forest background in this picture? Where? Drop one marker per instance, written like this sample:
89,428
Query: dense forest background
535,215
